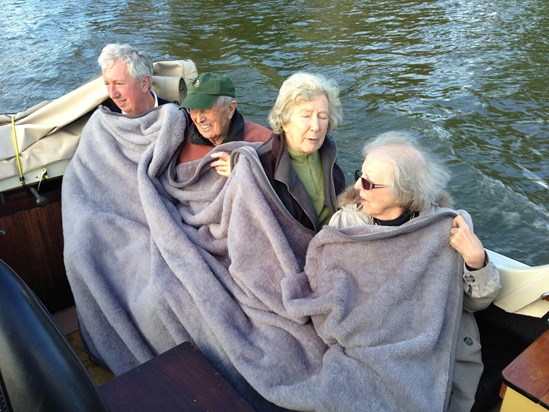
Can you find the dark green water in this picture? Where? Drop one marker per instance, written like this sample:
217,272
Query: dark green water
470,77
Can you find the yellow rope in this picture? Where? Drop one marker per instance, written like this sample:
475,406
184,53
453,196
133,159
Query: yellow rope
16,147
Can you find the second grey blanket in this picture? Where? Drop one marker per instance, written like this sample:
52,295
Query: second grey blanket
387,302
158,254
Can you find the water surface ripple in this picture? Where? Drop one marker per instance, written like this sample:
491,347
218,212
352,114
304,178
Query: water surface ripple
468,77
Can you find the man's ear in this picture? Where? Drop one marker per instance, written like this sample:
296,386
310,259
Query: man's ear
146,83
232,108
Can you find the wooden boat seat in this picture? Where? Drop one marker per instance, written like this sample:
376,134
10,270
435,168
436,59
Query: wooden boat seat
526,379
183,378
40,372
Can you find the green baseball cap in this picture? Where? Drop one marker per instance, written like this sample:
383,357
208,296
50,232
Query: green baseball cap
206,88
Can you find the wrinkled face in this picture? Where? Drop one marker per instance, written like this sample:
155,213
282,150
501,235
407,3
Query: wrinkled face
132,97
214,123
308,124
378,202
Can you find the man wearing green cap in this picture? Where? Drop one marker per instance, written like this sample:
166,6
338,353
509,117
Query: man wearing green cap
212,107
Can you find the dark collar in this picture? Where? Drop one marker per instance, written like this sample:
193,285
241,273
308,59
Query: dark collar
403,218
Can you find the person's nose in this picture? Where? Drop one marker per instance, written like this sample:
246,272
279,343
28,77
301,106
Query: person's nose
358,184
113,91
200,116
314,123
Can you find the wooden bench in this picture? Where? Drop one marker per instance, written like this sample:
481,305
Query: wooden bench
526,379
180,379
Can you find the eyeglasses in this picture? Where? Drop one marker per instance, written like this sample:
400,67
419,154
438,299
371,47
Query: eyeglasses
366,184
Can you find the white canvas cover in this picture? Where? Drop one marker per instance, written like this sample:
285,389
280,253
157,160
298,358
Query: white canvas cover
47,134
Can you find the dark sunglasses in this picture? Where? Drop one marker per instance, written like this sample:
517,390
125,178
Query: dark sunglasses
366,184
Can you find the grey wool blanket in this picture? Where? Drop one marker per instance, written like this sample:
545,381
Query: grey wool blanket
158,254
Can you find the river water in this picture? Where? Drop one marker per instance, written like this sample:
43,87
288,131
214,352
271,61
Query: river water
469,77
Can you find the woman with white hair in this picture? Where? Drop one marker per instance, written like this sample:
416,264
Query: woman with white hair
400,181
300,157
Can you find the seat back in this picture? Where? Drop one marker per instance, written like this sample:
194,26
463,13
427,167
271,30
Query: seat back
38,369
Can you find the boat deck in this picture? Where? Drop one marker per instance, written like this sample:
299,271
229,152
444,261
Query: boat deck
67,322
68,325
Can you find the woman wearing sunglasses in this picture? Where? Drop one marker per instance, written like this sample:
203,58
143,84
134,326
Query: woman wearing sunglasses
399,181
